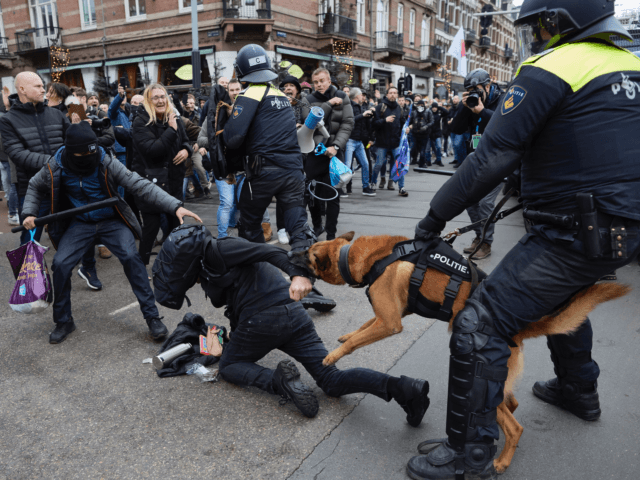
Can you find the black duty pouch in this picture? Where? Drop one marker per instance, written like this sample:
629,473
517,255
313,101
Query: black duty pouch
589,225
252,166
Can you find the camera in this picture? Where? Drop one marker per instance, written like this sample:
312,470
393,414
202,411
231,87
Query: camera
473,99
98,123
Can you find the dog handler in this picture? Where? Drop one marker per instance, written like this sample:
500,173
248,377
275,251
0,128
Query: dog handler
572,104
265,315
263,121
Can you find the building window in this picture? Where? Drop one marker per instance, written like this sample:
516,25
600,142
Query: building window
412,27
135,9
185,6
400,19
362,15
87,14
424,31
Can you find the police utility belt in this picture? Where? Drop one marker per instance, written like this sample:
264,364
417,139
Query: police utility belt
587,221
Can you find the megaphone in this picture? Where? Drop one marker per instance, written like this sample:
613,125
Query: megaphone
305,132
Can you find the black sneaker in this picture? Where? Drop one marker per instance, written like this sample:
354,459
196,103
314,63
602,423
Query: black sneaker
287,383
582,401
368,192
91,277
61,332
157,328
317,231
317,301
413,398
403,192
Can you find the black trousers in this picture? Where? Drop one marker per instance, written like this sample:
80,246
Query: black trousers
333,206
150,228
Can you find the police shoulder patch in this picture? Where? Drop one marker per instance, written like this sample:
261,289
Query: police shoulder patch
514,96
237,110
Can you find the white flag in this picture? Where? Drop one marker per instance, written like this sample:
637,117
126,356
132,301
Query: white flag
458,50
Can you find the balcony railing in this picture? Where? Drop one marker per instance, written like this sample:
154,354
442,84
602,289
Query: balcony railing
470,36
332,24
431,53
4,47
389,41
247,9
37,38
508,52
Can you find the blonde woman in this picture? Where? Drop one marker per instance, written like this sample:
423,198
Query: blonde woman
160,147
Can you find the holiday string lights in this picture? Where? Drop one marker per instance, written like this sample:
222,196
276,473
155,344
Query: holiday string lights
342,50
59,61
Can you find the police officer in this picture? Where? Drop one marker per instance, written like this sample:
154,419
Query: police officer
573,100
263,123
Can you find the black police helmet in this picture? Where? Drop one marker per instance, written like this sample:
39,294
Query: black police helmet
477,77
252,65
568,15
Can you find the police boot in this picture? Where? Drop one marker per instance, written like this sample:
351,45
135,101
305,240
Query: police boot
568,391
467,453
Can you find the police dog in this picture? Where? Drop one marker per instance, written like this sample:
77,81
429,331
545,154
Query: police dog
389,296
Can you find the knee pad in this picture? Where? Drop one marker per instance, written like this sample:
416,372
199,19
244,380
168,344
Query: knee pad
302,238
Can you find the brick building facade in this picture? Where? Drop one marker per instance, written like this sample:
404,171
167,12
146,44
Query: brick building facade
149,40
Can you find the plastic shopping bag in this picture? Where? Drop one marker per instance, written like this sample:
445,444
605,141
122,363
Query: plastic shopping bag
340,174
33,292
402,159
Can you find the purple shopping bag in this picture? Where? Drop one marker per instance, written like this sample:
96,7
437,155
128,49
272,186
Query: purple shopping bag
33,292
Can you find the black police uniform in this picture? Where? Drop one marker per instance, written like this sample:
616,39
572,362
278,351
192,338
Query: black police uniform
263,121
570,119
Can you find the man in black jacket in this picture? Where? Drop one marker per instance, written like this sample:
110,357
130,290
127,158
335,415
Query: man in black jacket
421,123
458,140
81,174
31,134
473,120
338,119
361,117
388,122
435,136
271,318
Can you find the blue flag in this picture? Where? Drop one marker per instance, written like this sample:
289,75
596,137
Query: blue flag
403,158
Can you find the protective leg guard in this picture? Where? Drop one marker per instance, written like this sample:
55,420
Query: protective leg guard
302,238
467,453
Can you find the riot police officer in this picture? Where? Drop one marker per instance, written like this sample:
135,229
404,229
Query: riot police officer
263,123
570,104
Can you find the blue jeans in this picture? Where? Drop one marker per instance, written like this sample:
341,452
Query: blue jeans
381,158
356,146
117,237
289,328
435,144
459,146
45,209
482,210
10,190
228,208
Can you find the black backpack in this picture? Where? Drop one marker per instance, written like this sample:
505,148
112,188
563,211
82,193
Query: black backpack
179,264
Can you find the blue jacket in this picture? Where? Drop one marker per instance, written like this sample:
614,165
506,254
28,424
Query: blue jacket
118,119
84,190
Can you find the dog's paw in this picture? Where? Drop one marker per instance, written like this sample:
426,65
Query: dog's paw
344,338
330,359
500,466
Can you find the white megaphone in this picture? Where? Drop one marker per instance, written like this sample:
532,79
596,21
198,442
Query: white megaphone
305,132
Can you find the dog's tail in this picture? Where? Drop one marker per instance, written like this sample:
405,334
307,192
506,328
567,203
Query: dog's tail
568,319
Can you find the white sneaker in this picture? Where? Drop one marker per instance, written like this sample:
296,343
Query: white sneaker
15,221
283,238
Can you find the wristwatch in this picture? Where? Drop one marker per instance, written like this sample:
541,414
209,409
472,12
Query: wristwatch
337,148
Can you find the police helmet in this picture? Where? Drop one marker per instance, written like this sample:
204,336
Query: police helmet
565,20
253,65
477,77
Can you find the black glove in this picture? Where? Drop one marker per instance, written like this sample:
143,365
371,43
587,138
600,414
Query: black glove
429,227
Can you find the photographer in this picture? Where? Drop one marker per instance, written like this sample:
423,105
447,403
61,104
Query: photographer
95,118
481,99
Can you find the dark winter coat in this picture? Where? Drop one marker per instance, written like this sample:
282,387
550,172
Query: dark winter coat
467,121
439,117
31,135
112,174
422,123
361,123
156,145
388,133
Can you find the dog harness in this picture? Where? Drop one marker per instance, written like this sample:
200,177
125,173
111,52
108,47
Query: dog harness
436,254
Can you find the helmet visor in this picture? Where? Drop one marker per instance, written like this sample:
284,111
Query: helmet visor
529,41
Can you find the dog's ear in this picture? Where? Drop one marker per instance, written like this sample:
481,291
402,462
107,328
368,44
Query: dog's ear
348,236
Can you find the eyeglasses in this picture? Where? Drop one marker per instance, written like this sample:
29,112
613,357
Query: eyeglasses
157,98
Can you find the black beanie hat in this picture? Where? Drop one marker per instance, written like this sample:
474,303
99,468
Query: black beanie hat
291,79
420,103
434,105
81,139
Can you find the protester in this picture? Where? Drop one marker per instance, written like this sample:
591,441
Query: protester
421,123
473,122
79,174
31,135
337,108
194,169
355,146
388,123
435,136
458,140
223,81
9,188
59,96
191,110
160,142
291,88
104,107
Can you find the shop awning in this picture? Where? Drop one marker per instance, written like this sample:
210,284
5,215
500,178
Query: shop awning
130,60
321,56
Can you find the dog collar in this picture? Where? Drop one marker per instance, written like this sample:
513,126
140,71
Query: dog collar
343,267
